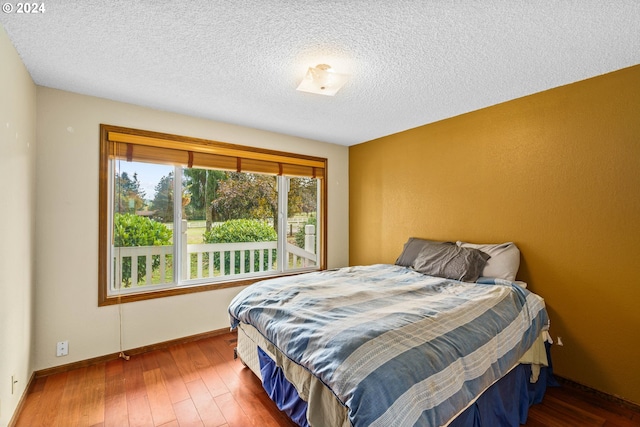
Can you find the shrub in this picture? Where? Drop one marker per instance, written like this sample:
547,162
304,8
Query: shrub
300,233
242,230
132,230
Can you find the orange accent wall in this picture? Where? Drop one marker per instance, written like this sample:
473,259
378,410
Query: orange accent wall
557,172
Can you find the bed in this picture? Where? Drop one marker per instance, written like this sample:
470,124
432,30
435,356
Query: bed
430,340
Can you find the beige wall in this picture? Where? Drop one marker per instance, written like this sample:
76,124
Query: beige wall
558,173
17,227
67,218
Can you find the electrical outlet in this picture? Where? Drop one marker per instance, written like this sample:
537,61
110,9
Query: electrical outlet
62,348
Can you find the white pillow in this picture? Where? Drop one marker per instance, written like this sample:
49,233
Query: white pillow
504,261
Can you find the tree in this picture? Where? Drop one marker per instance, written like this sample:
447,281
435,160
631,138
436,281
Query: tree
246,195
129,196
202,185
303,196
163,199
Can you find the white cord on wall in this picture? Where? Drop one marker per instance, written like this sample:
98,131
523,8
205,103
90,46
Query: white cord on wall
122,355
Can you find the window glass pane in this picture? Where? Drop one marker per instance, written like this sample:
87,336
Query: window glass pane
302,223
142,220
231,223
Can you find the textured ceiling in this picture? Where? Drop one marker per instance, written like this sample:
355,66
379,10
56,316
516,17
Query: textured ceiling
410,62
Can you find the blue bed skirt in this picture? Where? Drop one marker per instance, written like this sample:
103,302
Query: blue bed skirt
506,403
281,391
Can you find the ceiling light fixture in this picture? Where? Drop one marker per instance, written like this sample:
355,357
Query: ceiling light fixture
323,80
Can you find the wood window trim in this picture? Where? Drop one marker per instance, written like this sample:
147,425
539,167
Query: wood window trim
110,134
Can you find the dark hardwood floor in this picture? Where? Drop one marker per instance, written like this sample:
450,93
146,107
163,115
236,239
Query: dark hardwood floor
199,384
569,405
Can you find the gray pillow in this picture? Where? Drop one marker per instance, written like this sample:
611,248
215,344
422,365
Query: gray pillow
451,261
412,248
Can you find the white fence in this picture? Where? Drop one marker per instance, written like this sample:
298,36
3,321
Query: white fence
206,260
228,259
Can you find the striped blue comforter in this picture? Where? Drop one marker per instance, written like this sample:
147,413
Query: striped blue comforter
396,347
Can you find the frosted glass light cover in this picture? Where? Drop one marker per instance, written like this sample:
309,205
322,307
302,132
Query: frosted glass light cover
322,80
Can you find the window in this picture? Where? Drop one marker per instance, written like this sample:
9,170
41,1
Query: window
180,215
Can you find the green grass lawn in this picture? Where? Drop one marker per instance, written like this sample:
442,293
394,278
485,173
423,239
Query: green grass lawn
194,235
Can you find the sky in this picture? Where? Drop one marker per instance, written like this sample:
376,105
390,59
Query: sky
148,174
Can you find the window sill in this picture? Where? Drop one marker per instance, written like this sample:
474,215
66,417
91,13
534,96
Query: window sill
183,290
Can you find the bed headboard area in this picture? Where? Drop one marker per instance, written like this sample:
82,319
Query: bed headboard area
558,174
